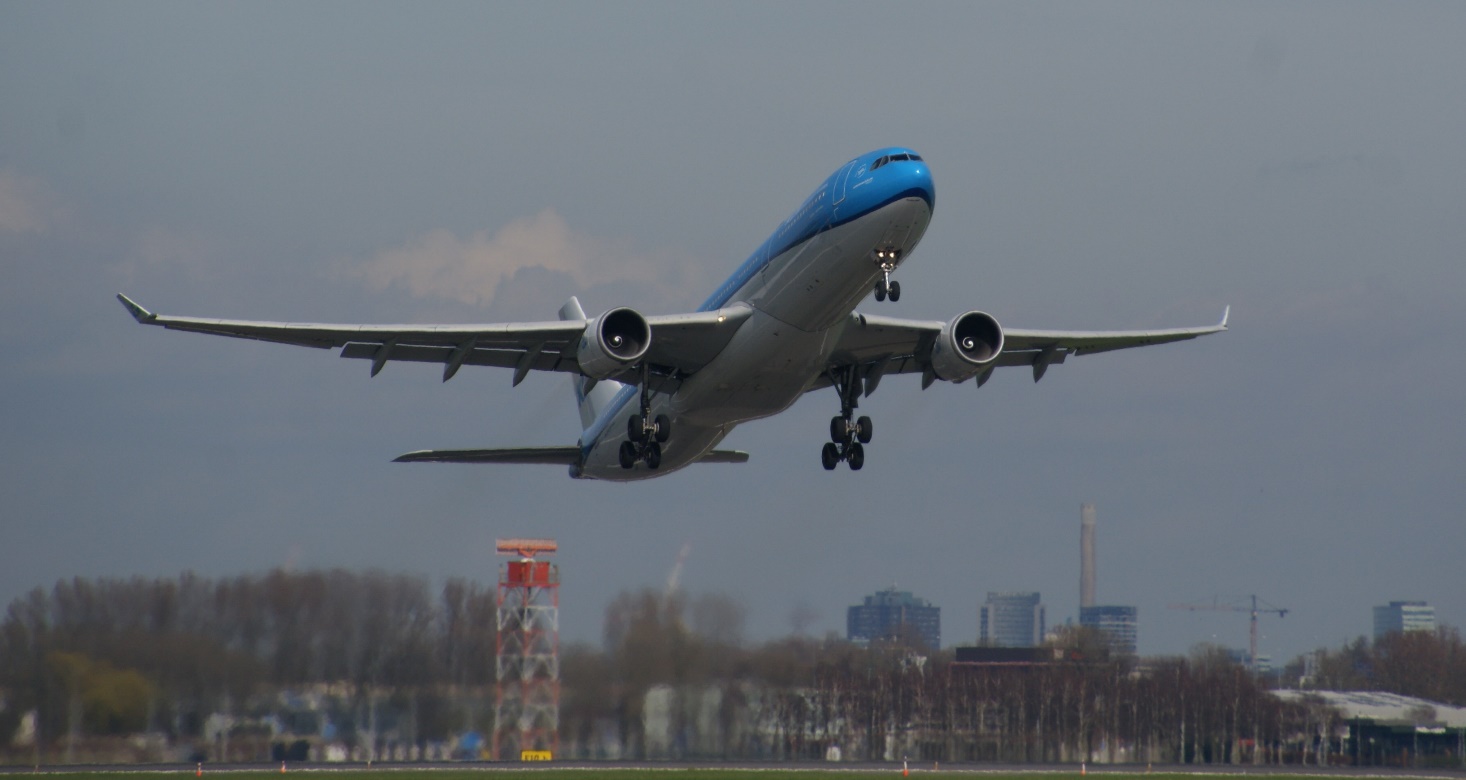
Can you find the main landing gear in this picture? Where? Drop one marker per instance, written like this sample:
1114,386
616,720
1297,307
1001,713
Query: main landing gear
886,259
847,435
647,434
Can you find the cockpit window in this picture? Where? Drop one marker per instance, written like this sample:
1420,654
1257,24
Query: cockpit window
890,158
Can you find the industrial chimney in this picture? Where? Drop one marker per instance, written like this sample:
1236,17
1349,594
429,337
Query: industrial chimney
1086,555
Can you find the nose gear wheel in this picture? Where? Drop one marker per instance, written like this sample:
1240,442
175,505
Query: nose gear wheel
885,288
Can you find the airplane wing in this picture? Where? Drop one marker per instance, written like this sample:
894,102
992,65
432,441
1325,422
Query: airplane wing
681,344
877,346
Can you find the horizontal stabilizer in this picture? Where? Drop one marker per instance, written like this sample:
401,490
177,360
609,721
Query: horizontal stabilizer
724,456
558,456
562,456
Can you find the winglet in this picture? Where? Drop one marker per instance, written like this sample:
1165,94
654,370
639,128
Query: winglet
138,313
1227,312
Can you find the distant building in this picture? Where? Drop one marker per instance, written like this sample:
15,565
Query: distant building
894,614
1384,728
1401,616
1243,657
1011,620
1117,624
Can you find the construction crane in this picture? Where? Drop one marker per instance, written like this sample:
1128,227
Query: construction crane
1232,605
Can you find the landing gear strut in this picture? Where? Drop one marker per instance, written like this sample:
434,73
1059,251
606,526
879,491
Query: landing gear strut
646,434
847,435
886,259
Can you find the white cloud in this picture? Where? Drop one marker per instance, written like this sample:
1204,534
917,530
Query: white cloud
24,205
471,270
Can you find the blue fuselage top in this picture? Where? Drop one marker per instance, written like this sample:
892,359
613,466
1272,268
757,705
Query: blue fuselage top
865,184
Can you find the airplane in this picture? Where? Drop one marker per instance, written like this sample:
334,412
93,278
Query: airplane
658,393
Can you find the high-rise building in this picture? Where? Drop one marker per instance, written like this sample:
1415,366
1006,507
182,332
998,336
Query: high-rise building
1117,624
1086,555
892,614
1400,616
1011,620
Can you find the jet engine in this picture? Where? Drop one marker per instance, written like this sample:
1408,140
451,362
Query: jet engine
611,342
968,344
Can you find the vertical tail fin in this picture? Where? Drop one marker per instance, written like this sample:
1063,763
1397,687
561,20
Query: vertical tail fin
593,397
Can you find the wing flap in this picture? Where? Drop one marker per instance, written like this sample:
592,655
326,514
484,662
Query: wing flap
498,358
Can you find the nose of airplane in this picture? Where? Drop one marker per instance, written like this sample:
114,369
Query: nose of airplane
912,178
921,180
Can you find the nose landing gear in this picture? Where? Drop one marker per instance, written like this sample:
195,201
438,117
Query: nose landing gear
887,259
847,435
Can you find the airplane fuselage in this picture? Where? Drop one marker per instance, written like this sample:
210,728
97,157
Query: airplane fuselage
801,285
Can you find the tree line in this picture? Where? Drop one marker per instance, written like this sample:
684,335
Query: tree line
672,677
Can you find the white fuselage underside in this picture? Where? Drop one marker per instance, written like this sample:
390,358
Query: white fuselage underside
801,303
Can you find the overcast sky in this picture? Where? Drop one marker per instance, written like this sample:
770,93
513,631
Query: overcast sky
1097,166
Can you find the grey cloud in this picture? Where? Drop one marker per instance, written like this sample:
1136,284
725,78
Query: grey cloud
473,270
26,205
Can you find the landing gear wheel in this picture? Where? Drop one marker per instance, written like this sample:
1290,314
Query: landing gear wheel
663,431
653,455
839,430
895,291
635,431
881,290
848,434
627,455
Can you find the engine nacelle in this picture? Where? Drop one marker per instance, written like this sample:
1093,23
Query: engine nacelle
611,342
968,344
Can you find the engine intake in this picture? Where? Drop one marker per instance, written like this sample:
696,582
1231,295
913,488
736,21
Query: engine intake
968,344
613,341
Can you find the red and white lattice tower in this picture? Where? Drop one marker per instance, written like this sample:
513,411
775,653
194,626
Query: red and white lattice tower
527,694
